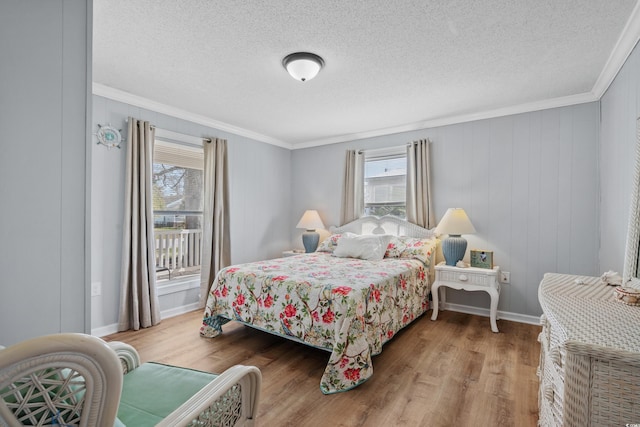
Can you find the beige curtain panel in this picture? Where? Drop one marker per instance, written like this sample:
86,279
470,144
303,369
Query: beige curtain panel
139,306
216,248
419,195
353,191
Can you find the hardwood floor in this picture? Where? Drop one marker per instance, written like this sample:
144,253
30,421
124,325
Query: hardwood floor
451,372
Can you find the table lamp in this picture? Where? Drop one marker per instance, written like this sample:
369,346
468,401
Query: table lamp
454,223
310,221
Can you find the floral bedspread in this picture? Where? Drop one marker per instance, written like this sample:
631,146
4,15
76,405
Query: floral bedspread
347,306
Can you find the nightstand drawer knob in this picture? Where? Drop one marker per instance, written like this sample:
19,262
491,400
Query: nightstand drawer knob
463,278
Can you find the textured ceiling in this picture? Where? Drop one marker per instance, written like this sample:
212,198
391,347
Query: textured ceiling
388,63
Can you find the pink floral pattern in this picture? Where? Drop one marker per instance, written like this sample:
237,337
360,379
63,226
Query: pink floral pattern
330,243
410,247
350,307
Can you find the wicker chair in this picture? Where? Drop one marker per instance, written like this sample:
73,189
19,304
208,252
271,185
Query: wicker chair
77,379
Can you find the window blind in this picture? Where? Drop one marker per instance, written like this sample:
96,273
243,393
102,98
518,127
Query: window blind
170,153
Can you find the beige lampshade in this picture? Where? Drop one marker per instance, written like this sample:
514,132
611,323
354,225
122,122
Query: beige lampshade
455,222
310,221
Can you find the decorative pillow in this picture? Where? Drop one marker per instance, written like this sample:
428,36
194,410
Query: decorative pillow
330,243
395,247
367,247
420,249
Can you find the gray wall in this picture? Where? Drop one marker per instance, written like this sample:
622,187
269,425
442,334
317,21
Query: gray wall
620,108
529,183
259,187
43,167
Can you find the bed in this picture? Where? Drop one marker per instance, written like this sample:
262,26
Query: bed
366,281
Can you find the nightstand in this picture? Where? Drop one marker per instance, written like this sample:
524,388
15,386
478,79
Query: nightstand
467,279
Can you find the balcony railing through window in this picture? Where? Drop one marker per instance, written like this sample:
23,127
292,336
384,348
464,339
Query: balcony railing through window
178,243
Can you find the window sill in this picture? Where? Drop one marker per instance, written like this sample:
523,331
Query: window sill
179,284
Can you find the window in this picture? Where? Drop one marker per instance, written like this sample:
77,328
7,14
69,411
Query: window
178,200
385,183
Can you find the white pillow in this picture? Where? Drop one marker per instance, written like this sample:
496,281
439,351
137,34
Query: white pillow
368,247
330,243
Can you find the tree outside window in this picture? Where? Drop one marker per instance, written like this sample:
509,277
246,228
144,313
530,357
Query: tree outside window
178,201
385,183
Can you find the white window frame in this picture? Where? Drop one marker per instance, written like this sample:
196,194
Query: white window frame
190,148
383,154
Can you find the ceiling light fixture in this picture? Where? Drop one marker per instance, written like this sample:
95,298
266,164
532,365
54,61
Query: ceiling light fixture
303,66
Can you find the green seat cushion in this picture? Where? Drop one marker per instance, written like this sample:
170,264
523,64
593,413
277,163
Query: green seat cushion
153,390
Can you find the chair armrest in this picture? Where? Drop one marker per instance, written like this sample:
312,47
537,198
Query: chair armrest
129,357
233,394
68,378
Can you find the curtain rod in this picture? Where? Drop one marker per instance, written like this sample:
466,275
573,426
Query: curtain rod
375,150
396,147
177,136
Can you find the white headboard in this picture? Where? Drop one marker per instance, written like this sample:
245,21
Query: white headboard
384,225
395,226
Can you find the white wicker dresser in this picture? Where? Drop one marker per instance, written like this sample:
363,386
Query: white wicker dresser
590,354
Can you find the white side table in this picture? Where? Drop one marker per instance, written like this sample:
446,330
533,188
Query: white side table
467,279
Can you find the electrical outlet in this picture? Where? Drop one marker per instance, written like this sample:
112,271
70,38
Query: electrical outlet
96,289
505,277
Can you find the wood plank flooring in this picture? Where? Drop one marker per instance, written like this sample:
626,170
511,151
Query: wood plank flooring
451,372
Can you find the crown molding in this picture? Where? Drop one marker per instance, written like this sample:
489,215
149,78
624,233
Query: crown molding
624,46
627,41
452,120
621,51
139,101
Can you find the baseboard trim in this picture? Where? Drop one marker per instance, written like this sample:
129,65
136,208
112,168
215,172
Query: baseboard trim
504,315
103,331
172,312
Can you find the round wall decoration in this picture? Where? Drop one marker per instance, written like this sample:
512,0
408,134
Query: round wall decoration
109,136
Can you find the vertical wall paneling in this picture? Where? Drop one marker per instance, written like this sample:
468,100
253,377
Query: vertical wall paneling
548,226
534,207
43,82
620,106
500,188
518,250
22,101
565,190
528,182
587,185
107,210
76,83
259,193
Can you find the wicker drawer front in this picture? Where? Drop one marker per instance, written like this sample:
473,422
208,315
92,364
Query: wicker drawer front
555,390
551,390
545,334
614,396
465,278
590,354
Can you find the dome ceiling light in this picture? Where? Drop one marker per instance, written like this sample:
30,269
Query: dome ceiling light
303,66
